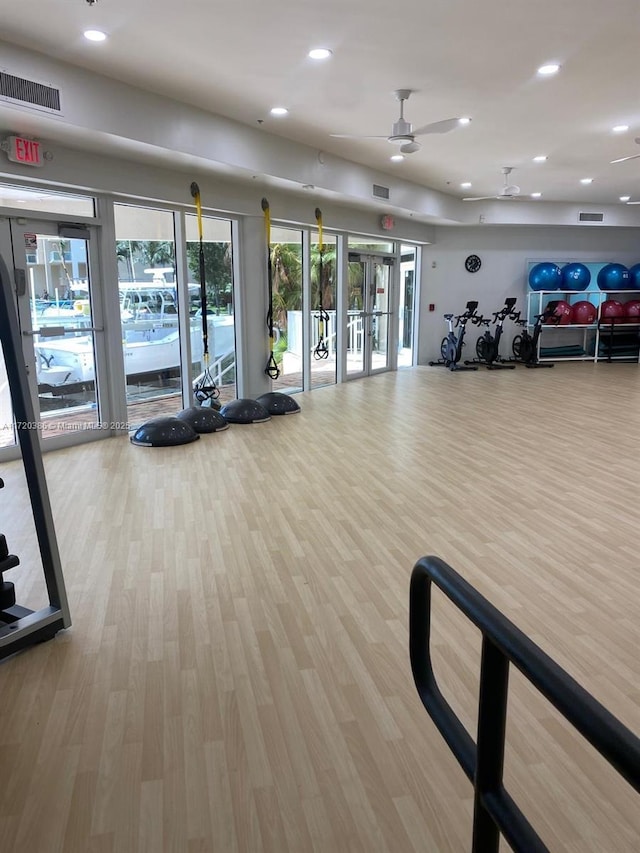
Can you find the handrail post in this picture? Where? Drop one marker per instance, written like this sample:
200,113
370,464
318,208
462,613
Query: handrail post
492,722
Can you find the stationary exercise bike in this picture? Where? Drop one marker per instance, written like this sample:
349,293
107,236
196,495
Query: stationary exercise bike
451,346
488,345
525,346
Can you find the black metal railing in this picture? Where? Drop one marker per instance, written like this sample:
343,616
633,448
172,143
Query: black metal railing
495,812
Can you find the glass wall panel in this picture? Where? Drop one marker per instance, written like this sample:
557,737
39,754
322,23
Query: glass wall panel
406,307
286,266
323,310
45,201
355,317
7,434
60,295
145,247
216,234
371,244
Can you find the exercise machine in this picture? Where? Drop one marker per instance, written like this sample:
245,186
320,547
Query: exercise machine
488,345
525,346
451,346
19,626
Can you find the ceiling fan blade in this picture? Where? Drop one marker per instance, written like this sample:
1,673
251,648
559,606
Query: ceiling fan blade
410,147
622,159
483,198
443,126
633,202
355,136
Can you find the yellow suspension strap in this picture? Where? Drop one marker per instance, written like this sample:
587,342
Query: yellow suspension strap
272,370
321,350
204,388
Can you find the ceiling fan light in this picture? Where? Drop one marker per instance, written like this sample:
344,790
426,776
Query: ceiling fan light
464,121
586,180
541,158
625,197
466,185
536,195
397,157
279,111
620,128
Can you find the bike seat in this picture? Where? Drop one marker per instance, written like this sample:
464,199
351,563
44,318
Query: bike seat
447,316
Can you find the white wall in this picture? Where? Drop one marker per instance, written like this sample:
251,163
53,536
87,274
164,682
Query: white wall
505,253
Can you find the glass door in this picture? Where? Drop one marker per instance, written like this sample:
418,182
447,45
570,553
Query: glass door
368,315
58,322
149,311
406,308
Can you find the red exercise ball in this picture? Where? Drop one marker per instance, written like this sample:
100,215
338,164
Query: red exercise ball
611,309
632,310
584,313
561,310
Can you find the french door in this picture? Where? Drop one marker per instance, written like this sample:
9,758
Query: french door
60,322
368,315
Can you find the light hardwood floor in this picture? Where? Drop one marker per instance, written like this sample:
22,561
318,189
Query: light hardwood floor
237,673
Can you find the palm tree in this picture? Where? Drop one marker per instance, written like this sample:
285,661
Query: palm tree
124,252
286,271
328,263
217,271
156,253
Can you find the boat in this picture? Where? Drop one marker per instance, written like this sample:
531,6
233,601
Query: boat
150,338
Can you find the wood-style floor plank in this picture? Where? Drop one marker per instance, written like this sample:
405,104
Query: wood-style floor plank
237,676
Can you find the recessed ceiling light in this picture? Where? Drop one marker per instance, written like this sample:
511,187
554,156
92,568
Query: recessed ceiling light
464,121
397,157
586,180
95,35
546,70
466,185
625,197
620,128
320,53
279,111
540,159
536,195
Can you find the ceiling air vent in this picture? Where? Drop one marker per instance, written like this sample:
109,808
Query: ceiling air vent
29,93
591,217
380,192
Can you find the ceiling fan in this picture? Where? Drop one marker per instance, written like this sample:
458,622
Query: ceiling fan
402,133
510,191
632,157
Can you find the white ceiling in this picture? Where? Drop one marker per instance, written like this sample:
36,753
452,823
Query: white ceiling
460,58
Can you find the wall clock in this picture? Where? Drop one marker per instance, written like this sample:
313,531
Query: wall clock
473,263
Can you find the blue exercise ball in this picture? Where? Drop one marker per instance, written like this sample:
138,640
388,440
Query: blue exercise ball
634,277
575,277
545,276
613,277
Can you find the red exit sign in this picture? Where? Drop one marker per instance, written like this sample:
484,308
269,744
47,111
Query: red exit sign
25,151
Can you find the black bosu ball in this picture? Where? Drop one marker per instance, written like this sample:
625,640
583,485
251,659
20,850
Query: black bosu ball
278,404
164,432
203,419
245,411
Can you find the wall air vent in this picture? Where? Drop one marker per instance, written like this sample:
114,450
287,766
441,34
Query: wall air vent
380,192
591,217
19,90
